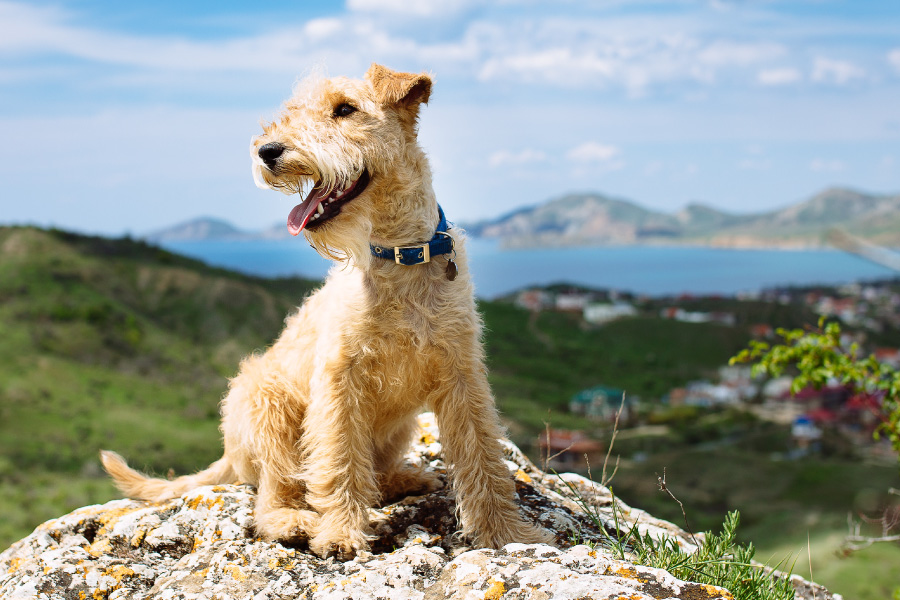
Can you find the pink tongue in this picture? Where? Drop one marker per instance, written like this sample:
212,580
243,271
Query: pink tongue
301,213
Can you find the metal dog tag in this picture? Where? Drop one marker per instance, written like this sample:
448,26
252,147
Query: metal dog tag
451,270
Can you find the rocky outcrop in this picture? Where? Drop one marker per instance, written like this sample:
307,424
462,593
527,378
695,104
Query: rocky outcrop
202,546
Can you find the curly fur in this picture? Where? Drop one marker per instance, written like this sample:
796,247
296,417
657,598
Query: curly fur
320,421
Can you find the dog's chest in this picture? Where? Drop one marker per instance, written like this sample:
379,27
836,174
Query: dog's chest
402,350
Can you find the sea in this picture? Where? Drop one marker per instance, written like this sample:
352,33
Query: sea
645,270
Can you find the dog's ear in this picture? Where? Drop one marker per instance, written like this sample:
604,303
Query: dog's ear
407,90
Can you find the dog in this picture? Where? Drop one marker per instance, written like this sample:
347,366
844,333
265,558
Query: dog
319,423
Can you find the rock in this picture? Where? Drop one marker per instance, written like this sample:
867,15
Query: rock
202,546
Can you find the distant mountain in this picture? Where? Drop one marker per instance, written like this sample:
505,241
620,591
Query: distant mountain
209,228
201,228
593,219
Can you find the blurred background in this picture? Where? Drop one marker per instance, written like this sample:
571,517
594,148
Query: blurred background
647,186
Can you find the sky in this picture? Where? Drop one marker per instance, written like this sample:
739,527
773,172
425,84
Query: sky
126,117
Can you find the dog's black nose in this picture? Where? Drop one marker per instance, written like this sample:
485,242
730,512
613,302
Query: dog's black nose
270,153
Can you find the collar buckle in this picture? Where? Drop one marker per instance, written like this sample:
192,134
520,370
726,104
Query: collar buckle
423,256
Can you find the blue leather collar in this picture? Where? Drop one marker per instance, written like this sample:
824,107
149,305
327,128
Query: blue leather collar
417,254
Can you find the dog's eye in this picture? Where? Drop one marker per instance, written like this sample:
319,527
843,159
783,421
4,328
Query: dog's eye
344,110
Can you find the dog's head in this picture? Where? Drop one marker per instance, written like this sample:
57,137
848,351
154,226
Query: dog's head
344,145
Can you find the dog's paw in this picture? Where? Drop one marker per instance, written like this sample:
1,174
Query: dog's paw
532,534
286,524
343,546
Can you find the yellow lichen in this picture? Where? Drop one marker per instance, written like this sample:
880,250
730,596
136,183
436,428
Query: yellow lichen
110,517
235,572
523,476
14,564
200,500
628,572
117,572
138,537
99,548
715,592
282,562
496,591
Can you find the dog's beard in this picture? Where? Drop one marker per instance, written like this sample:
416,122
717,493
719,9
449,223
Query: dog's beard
344,239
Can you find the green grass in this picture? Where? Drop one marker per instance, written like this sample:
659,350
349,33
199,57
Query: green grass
781,503
114,344
870,574
535,368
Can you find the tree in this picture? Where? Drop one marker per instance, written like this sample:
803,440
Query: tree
819,357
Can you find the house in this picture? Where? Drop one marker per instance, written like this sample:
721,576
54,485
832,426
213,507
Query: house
601,403
706,394
534,300
685,316
606,312
805,434
888,356
567,448
762,331
572,301
846,309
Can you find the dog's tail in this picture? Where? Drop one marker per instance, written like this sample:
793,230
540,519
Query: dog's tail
137,485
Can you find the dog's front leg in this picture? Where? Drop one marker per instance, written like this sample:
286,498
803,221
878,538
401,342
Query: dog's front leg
485,492
338,468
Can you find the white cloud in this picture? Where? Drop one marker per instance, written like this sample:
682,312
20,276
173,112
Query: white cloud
414,8
631,53
636,56
838,72
553,65
726,53
824,165
40,31
894,59
593,152
778,76
526,156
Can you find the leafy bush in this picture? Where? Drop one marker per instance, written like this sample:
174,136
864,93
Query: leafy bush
819,356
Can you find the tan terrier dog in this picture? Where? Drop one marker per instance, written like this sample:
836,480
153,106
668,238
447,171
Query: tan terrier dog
321,420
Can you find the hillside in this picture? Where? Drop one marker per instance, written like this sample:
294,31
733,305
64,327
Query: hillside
201,228
592,219
119,344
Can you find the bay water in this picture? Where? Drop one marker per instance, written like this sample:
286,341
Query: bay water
649,270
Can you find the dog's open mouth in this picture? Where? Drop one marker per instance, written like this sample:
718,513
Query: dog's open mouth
321,205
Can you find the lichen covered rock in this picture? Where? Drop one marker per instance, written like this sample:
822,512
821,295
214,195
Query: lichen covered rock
202,546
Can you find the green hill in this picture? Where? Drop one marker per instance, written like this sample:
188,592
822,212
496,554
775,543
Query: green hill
118,344
115,344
